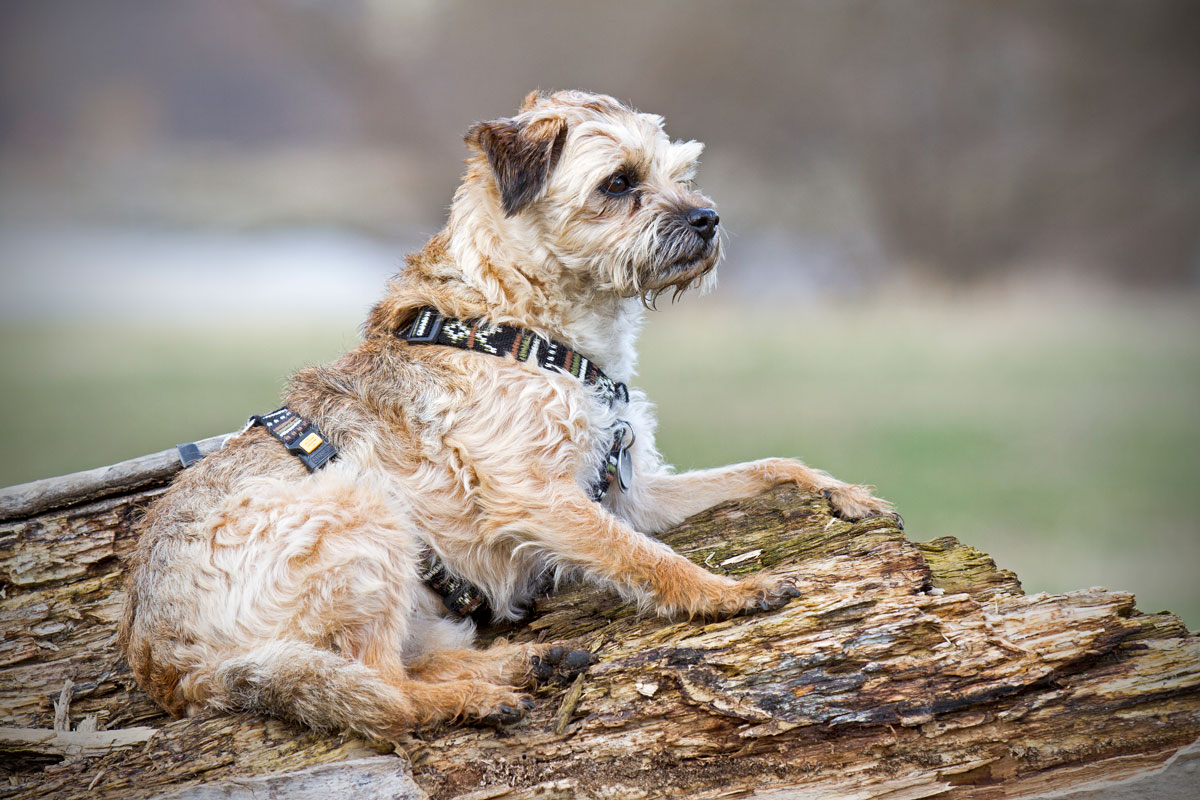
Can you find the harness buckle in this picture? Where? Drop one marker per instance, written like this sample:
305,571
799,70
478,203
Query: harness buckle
301,437
425,328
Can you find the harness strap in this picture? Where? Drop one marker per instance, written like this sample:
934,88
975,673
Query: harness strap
189,453
460,596
302,438
432,327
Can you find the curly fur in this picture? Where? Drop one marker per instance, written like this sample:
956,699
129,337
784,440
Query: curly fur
256,585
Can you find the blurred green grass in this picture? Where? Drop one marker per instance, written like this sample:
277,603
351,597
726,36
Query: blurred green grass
1061,438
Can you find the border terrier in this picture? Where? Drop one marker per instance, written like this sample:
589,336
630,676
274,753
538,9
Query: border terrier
312,594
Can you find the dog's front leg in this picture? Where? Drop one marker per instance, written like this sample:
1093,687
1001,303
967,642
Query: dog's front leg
580,534
663,499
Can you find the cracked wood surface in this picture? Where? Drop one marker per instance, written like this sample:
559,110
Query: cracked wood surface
904,671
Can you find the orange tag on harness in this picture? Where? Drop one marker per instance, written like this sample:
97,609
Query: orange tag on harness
311,442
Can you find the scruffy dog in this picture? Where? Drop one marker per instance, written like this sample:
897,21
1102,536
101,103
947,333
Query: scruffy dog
472,451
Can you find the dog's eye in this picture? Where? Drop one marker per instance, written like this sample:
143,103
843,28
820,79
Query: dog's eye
617,185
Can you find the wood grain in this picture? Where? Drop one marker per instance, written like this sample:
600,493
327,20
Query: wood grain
903,671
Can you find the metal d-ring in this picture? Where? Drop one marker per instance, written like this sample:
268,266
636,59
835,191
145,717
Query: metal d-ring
624,460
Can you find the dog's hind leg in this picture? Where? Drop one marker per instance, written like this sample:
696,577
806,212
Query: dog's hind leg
328,588
318,688
513,664
327,691
502,663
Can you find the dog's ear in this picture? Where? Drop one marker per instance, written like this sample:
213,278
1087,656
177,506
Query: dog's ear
522,155
531,100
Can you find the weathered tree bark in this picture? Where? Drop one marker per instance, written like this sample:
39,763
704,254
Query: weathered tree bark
904,671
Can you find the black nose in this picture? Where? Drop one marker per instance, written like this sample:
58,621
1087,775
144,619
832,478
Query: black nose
704,221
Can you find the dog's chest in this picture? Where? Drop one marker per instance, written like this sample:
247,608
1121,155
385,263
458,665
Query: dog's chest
496,426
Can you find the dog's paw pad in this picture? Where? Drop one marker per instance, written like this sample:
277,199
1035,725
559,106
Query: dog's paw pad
577,660
541,671
505,714
559,665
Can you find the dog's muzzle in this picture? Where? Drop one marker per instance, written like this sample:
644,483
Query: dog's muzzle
688,246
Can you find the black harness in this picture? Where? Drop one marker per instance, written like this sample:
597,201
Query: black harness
304,440
481,336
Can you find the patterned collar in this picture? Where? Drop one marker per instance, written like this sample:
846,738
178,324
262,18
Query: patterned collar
432,327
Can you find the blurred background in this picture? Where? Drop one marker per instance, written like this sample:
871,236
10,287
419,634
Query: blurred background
974,226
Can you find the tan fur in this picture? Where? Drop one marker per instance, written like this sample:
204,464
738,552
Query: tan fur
256,585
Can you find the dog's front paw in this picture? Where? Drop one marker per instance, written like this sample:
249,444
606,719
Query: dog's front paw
558,664
492,705
853,503
771,596
757,594
505,714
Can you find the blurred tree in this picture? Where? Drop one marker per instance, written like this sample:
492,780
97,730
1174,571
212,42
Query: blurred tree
959,138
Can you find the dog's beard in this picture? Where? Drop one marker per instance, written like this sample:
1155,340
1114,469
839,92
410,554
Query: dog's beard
670,257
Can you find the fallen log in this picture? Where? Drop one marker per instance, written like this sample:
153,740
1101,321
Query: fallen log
905,670
40,741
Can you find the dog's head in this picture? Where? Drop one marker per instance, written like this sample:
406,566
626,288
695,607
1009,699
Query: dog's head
601,190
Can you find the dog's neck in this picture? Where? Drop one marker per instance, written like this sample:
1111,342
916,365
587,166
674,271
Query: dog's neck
506,274
486,264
